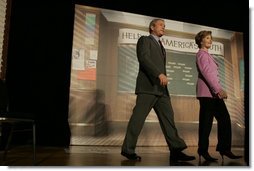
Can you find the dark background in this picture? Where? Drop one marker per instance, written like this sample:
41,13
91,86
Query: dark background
40,46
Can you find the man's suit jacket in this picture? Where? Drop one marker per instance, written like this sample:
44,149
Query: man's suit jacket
208,84
151,65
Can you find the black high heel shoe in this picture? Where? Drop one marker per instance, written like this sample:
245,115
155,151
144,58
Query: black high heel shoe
229,154
206,156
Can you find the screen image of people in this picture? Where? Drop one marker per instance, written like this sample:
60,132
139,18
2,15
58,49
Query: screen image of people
111,77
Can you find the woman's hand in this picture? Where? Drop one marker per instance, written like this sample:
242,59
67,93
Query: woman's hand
222,94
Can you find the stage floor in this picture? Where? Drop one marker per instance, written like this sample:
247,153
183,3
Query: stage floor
92,156
104,150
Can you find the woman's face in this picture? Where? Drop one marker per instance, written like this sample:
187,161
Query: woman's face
206,42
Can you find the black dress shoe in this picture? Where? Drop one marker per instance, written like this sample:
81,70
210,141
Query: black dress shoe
133,156
180,156
229,154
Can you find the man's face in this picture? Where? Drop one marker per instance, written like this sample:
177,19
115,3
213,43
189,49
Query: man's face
159,28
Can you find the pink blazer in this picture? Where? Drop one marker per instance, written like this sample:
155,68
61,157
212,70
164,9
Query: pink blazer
208,84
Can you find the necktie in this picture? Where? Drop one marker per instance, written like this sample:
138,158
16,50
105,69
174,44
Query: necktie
162,48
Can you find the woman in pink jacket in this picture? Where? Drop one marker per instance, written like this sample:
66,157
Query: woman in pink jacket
211,99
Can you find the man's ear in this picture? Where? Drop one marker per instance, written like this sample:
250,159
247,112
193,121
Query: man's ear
152,28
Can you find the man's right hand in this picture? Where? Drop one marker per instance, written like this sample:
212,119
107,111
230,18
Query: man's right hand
163,79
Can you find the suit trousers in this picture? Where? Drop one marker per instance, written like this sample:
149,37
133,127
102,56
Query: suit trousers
210,108
163,109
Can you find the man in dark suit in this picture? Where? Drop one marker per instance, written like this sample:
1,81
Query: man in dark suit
152,92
